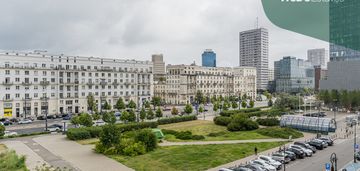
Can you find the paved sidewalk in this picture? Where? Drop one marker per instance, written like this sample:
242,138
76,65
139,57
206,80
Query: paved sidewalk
32,159
167,143
81,156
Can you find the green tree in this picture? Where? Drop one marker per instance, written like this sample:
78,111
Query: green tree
156,101
109,136
216,107
159,112
234,105
85,120
109,117
150,114
124,116
213,99
107,106
252,103
96,116
147,104
201,109
226,106
142,114
91,103
243,104
132,104
120,105
199,97
174,111
188,109
132,116
244,97
2,130
270,103
75,121
284,101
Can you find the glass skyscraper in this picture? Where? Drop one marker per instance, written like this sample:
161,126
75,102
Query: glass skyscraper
209,58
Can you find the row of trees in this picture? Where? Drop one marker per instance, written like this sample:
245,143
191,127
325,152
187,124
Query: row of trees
349,100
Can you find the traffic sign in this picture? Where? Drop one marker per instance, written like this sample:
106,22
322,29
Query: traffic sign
327,166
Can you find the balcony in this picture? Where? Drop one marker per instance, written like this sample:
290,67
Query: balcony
103,83
7,83
26,83
76,82
44,98
127,83
103,97
8,99
115,83
45,83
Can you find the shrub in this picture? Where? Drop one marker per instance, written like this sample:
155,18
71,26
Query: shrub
231,112
99,147
222,120
94,131
241,123
268,121
148,138
2,130
216,134
129,147
109,135
78,134
85,120
135,126
9,160
184,135
176,119
197,137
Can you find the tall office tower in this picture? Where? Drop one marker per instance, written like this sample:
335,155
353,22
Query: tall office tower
158,66
317,57
209,58
254,52
344,65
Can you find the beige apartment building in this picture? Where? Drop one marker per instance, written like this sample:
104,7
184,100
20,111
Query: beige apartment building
183,81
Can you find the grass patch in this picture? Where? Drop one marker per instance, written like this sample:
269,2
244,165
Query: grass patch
205,128
2,147
90,141
9,160
278,132
192,157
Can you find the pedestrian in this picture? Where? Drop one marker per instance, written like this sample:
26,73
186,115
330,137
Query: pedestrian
255,149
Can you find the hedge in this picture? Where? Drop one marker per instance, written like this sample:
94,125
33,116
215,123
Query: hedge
268,121
232,112
277,132
136,126
176,119
78,134
222,120
183,135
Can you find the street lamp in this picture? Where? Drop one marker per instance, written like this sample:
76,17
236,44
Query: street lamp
333,160
355,144
284,157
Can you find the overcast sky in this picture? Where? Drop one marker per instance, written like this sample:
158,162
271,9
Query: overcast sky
135,29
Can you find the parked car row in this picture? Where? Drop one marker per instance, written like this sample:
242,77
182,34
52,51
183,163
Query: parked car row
298,150
316,114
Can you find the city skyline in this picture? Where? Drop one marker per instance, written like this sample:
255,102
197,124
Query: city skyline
65,28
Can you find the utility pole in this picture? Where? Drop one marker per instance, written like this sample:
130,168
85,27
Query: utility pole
284,158
355,144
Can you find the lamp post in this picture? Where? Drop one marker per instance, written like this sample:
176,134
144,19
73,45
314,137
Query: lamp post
333,160
284,157
355,144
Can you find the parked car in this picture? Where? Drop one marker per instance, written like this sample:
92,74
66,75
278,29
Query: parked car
67,117
54,128
98,123
306,145
357,155
30,118
41,117
25,121
256,167
51,116
291,154
308,152
8,133
324,143
299,153
317,144
240,168
225,169
281,157
270,161
14,120
329,141
264,164
7,123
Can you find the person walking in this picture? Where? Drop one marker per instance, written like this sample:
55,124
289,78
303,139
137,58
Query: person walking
256,150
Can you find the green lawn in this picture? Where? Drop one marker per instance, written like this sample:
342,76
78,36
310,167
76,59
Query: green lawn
192,157
88,141
201,127
2,147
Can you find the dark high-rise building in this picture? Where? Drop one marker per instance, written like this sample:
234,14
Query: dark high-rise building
209,58
344,65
